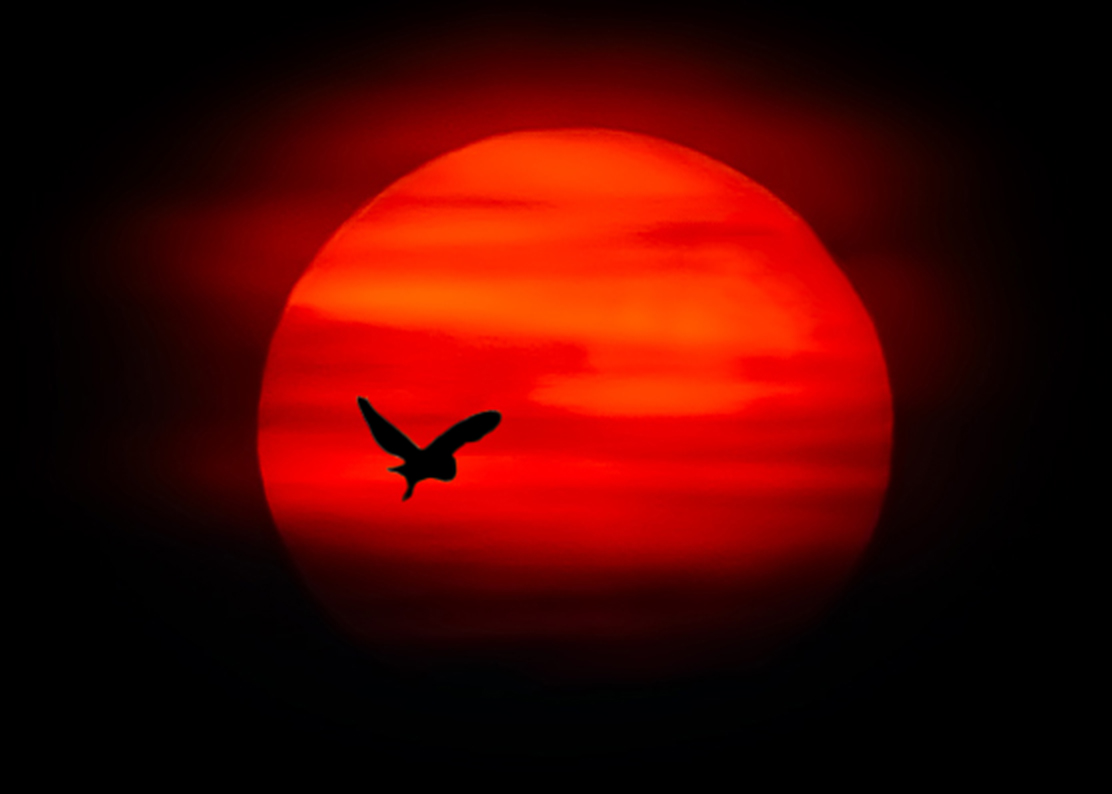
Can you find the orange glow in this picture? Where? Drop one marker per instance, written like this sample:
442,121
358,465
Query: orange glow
694,401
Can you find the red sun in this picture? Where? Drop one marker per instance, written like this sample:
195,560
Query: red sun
696,419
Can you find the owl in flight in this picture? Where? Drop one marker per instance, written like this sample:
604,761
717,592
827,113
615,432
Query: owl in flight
436,460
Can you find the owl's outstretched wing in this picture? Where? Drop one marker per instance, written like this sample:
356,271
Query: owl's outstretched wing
470,429
388,437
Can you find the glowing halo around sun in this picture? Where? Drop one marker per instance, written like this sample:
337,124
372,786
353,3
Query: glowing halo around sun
696,412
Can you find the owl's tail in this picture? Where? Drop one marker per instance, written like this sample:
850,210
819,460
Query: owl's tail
410,482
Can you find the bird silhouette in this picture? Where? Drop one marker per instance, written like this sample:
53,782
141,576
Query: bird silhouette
436,459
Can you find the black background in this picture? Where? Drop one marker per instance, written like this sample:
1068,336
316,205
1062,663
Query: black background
177,645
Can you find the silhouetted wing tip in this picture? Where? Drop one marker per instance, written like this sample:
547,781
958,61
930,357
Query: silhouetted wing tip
470,429
491,418
388,437
483,423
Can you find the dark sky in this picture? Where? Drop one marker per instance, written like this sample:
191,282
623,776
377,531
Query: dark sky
166,618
